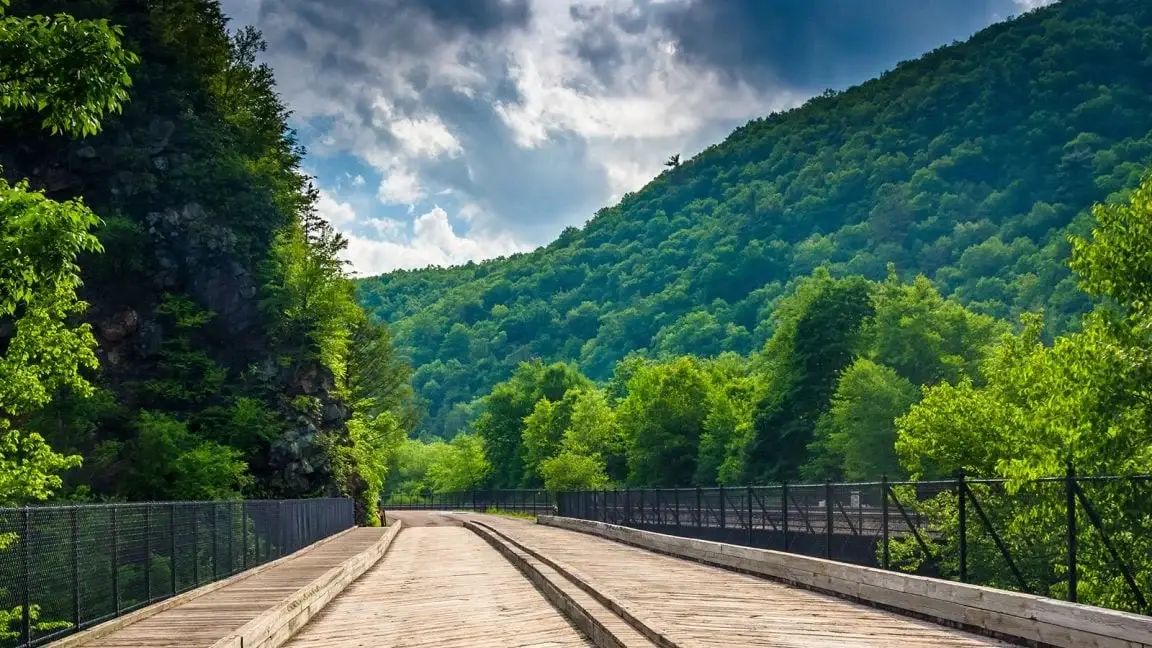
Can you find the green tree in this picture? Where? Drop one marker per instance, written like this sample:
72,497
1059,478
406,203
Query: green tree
859,428
818,336
501,424
72,72
662,420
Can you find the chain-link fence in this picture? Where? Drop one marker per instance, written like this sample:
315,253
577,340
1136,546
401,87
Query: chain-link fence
1080,539
66,568
530,501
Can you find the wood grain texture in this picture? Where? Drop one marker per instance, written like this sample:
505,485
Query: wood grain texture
440,587
201,622
698,605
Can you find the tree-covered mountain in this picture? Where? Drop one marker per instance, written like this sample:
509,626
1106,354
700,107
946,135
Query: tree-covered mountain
970,165
174,316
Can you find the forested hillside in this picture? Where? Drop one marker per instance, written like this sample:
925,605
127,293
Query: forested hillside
969,166
174,319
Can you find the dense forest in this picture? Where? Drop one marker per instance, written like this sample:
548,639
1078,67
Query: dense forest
175,320
969,166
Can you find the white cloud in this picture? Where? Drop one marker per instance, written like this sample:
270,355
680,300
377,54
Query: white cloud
399,187
427,137
333,211
433,241
387,228
652,95
1033,4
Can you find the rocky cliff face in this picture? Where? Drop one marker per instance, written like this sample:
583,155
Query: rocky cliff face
185,215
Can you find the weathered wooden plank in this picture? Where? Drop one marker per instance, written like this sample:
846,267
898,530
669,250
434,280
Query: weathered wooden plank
1007,613
438,587
703,605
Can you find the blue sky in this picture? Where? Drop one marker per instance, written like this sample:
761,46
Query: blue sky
442,131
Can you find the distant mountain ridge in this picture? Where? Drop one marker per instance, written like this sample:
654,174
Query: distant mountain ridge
969,165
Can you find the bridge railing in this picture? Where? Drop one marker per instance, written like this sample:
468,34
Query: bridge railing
1076,538
66,568
528,501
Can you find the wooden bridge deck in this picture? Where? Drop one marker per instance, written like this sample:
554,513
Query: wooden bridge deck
440,586
699,605
202,621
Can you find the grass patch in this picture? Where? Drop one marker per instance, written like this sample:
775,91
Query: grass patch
512,514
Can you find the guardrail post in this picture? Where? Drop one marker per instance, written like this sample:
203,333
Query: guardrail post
828,519
962,504
1070,496
885,556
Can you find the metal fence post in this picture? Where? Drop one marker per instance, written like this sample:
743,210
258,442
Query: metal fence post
884,520
244,533
962,504
231,538
148,552
699,509
828,519
784,512
749,516
172,545
196,546
1070,496
723,511
279,529
115,563
75,570
676,503
215,549
26,578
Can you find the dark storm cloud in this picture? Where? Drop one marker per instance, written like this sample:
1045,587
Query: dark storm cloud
799,44
530,187
403,25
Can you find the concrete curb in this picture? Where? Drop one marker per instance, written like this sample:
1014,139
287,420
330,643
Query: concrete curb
112,625
1002,614
617,607
275,626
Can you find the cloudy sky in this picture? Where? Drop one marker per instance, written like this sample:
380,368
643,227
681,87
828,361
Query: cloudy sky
446,130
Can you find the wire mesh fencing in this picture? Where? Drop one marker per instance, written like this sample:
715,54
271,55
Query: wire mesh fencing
529,501
1085,539
66,568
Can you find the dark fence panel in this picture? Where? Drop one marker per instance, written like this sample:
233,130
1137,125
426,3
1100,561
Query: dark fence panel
66,568
529,501
1080,539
